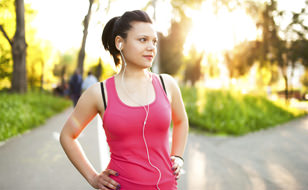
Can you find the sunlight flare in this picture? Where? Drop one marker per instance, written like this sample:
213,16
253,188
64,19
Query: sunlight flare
214,33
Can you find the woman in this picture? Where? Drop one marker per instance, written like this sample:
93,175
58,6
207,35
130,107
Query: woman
136,107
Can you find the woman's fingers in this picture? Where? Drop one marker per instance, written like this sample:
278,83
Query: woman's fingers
177,171
108,182
109,185
112,172
177,165
103,188
176,168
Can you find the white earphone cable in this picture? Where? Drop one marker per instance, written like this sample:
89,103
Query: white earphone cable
145,120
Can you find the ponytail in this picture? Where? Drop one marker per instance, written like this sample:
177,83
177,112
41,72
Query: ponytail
108,40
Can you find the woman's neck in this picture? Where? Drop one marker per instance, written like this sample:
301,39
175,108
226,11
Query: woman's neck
135,73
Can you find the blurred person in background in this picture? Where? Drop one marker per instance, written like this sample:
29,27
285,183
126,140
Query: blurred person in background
88,81
75,86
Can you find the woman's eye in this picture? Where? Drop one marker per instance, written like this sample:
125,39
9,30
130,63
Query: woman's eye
142,39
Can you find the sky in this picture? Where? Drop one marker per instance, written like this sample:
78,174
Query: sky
61,23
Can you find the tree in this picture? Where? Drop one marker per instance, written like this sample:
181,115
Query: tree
170,56
39,57
5,65
86,22
241,58
171,47
98,69
193,71
81,54
304,79
64,66
19,47
297,43
270,50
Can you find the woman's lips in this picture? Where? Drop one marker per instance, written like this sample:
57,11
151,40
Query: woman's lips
148,57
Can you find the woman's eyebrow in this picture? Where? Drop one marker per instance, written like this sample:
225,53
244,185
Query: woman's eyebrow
147,36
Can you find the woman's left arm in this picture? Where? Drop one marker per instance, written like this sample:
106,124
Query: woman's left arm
179,118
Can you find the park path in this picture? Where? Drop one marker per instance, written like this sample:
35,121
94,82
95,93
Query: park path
266,160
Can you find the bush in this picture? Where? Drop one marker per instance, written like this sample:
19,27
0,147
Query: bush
226,112
21,112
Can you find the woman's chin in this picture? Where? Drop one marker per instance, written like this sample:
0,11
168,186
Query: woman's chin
147,65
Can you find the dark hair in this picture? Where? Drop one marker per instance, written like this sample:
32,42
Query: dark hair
118,26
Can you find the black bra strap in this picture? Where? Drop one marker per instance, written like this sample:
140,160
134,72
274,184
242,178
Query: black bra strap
162,81
103,93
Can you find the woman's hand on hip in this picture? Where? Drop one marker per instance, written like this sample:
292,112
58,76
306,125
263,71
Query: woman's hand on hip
177,165
102,181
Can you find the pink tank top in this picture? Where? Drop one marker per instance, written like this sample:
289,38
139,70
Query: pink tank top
123,126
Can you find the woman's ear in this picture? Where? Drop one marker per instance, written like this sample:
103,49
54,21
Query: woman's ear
119,43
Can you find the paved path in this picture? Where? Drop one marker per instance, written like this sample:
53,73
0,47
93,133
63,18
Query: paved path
266,160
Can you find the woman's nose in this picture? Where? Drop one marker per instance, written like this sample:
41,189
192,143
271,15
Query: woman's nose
151,46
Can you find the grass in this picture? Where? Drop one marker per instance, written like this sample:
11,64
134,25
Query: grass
229,113
211,111
20,113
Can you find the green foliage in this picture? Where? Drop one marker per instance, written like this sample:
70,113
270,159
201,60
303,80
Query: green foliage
193,66
20,113
225,112
171,47
304,79
8,22
5,63
66,63
241,58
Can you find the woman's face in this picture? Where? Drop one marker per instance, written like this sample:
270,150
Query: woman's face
140,45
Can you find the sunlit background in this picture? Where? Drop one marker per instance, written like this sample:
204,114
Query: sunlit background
215,29
242,66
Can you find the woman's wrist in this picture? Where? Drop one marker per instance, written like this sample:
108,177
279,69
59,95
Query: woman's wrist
178,157
91,178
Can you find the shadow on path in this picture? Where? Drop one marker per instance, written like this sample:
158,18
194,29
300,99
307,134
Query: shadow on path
266,160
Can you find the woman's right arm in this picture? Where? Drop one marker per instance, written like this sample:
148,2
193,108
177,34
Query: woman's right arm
85,110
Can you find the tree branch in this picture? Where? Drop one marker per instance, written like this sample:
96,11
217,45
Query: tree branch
5,35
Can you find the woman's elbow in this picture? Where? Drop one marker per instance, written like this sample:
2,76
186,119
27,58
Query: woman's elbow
65,137
183,124
62,138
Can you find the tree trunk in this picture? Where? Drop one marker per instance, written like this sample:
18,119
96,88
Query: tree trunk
291,77
42,76
63,71
98,70
19,78
286,90
84,39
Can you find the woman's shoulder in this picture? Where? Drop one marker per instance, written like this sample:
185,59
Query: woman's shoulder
170,84
93,90
93,95
168,79
96,87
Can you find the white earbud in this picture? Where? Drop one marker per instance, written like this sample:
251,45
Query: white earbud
120,46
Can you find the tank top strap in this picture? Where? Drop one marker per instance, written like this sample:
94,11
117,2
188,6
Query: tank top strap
111,91
159,89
